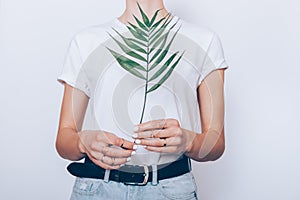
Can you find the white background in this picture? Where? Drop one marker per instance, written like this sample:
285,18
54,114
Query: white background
261,44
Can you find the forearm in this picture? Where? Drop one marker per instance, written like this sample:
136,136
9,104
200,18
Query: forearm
67,144
208,146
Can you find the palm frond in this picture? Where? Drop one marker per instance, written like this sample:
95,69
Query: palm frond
128,64
149,46
154,17
164,52
166,76
130,43
137,35
138,30
161,28
127,50
164,67
144,16
140,23
152,29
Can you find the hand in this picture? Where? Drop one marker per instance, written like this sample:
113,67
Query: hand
102,148
166,136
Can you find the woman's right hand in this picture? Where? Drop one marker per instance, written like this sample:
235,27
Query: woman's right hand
103,148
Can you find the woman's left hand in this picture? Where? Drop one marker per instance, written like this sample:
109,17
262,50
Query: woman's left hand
164,135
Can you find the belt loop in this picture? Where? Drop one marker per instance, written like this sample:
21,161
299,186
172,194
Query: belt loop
106,175
154,175
189,163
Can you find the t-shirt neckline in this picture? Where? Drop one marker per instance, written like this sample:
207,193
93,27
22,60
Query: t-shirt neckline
124,26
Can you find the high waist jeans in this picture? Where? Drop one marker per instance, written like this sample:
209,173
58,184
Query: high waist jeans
182,187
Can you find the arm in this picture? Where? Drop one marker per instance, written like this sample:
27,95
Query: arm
210,145
73,143
73,109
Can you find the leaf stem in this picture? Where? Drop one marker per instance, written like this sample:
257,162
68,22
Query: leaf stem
147,71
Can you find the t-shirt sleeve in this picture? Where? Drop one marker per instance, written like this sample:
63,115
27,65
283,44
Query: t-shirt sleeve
72,72
214,58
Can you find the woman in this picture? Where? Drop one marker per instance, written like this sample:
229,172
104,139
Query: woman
138,91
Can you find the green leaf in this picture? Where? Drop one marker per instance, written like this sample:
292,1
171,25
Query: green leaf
159,49
130,43
145,18
156,36
127,64
156,25
140,23
161,31
165,77
147,34
164,36
163,54
137,42
164,67
154,17
161,28
138,30
137,35
127,50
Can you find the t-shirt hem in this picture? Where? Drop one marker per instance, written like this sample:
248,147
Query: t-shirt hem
222,65
63,80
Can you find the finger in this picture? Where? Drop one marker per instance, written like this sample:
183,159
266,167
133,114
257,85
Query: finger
151,142
125,144
162,133
150,125
114,152
96,155
101,164
159,142
153,124
147,134
117,141
156,124
114,161
97,146
167,149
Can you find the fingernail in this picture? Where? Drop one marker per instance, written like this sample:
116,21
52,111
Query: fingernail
134,135
137,141
135,128
122,165
135,146
128,159
133,153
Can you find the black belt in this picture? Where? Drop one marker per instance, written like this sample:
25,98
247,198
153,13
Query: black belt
131,174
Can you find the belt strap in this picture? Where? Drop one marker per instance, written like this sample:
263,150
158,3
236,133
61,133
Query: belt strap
131,174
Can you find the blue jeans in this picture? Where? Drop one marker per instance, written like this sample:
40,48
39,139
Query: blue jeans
180,187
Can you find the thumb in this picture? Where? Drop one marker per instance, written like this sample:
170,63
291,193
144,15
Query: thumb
117,141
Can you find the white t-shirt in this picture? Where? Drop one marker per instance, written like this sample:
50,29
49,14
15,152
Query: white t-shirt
117,94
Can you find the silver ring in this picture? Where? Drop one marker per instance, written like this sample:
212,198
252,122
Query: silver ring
102,159
105,150
113,161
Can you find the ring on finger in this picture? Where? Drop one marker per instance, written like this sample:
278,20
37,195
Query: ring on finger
105,150
122,142
152,134
102,159
165,142
113,161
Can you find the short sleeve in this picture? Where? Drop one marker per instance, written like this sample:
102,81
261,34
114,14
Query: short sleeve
72,72
214,58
